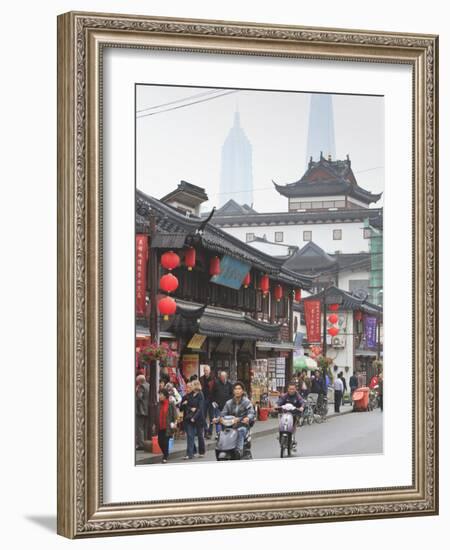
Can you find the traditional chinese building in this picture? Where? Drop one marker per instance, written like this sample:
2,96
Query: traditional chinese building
346,326
331,212
234,304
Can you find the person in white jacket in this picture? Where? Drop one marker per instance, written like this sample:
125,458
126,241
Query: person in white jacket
338,393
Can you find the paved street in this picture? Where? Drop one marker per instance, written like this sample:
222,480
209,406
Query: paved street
355,433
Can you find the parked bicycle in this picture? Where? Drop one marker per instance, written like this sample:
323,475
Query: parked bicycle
308,413
320,406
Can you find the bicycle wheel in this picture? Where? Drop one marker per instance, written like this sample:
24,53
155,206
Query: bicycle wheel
310,419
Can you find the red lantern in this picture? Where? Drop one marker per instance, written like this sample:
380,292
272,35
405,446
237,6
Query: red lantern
190,257
333,331
333,318
170,260
358,315
214,266
264,284
168,283
298,295
278,293
333,307
247,280
167,306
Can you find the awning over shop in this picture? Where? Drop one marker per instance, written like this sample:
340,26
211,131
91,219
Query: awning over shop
215,322
304,362
365,353
284,346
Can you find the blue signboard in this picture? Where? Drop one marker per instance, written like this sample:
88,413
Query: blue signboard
232,273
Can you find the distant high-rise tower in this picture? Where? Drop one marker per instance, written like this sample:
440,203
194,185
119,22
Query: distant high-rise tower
321,128
236,176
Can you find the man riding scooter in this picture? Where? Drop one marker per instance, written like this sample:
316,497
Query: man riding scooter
241,408
296,400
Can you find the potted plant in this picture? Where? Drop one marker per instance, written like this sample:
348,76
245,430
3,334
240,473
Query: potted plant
162,353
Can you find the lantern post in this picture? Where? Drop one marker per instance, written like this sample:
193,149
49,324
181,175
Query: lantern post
153,270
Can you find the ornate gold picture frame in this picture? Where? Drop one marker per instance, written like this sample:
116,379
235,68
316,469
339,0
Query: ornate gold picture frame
82,38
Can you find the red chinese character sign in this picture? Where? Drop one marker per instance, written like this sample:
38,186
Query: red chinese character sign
141,272
312,310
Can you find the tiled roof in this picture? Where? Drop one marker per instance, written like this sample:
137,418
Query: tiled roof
169,220
346,300
218,323
327,177
296,218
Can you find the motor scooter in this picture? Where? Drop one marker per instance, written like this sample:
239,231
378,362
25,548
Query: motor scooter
287,429
227,442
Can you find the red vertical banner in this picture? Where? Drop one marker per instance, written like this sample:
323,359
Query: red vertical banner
312,310
141,272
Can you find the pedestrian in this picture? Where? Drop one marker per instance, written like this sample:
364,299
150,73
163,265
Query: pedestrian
373,382
174,396
380,391
194,421
338,392
222,391
344,383
318,383
303,383
184,410
318,387
207,382
353,382
142,408
166,422
361,379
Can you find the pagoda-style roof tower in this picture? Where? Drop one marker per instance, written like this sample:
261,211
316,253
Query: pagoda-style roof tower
327,184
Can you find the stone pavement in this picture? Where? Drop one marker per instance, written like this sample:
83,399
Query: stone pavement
260,429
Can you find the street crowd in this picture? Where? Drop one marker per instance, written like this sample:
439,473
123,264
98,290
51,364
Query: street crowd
207,398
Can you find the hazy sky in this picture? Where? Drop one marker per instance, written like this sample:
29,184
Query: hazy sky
186,143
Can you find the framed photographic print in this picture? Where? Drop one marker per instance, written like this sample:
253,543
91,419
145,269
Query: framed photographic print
247,288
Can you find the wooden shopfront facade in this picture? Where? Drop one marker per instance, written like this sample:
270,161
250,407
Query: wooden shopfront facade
225,319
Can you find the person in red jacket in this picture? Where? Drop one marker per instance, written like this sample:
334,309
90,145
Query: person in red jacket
166,419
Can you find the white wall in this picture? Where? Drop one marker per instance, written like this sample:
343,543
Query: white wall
346,276
28,95
322,234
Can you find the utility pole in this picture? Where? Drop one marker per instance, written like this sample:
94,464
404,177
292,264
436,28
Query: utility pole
324,314
153,271
324,342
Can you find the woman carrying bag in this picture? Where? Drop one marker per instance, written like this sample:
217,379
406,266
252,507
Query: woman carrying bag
194,420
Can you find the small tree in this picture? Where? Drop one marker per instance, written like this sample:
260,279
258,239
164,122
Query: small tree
324,363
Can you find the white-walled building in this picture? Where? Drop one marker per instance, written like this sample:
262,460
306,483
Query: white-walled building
326,207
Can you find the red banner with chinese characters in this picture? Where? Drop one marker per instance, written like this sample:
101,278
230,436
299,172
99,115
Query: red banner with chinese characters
312,317
141,272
